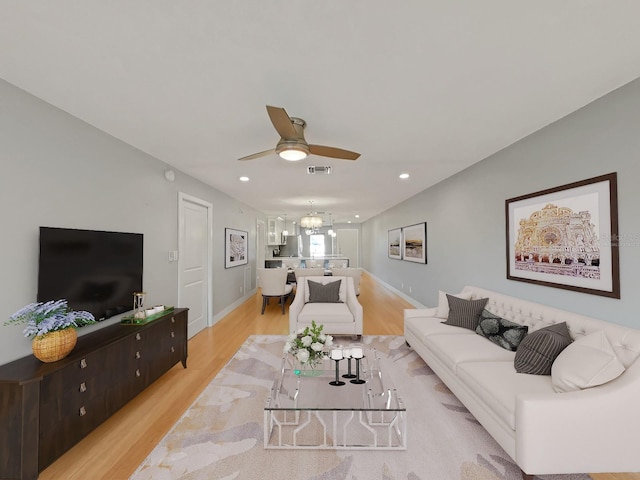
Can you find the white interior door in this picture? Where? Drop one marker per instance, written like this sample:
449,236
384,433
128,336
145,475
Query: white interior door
194,261
261,242
347,243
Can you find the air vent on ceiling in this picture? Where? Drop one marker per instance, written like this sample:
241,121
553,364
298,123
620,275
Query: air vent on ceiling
311,170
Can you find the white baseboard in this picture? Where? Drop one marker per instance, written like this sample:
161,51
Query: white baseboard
217,317
409,299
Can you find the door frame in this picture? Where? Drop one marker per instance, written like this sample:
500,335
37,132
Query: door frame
261,245
184,197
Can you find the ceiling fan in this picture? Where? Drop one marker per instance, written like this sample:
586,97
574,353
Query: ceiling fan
292,145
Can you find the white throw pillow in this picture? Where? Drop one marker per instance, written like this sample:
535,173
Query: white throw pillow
443,303
587,362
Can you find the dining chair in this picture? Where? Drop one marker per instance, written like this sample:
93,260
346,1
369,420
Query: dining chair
273,283
354,273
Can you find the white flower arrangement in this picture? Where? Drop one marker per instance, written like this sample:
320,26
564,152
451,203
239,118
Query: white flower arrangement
307,344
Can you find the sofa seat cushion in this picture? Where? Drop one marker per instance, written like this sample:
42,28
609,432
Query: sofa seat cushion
422,327
325,313
453,350
497,384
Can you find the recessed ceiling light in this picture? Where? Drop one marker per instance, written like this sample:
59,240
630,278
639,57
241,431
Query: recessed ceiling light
404,175
357,216
244,179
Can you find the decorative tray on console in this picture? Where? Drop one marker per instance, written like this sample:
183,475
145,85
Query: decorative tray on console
133,320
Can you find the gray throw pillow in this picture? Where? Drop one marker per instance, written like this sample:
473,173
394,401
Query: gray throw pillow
539,349
500,331
327,293
465,313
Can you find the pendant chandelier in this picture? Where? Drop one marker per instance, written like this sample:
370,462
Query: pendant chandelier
311,222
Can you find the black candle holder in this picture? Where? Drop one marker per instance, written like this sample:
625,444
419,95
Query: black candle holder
348,374
337,382
357,380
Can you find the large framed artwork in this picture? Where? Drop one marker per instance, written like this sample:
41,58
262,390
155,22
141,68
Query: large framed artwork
566,237
394,247
414,243
235,247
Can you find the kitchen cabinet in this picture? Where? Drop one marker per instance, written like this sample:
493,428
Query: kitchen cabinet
275,227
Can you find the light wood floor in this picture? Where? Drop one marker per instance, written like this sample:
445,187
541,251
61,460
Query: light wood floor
115,449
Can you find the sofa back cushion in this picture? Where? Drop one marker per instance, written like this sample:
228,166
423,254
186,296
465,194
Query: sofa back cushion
624,340
464,313
504,333
443,302
588,362
537,352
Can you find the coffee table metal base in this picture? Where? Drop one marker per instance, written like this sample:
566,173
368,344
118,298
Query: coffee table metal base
335,429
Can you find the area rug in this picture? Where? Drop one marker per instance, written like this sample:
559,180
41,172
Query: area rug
220,437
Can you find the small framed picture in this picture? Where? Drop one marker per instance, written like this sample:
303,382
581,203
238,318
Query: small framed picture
414,243
235,247
394,244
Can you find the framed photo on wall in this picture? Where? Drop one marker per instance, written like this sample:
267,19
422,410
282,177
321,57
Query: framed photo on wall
566,237
414,243
236,242
394,244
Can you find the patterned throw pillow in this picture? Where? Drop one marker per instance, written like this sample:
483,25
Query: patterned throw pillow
539,349
327,293
465,313
500,331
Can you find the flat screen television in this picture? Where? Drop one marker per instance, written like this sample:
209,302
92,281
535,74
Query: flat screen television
93,270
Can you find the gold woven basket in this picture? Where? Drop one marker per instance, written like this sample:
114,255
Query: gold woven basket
54,346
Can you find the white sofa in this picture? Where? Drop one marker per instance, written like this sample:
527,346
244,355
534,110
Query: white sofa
341,318
545,432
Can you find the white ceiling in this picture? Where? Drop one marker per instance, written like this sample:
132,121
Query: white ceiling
426,87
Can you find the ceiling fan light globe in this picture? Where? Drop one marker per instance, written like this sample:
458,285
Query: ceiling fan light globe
293,154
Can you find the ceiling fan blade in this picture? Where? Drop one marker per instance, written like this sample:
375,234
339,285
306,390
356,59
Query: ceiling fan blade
258,155
333,152
282,122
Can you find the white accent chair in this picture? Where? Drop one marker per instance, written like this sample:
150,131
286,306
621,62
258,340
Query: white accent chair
338,264
305,272
342,318
273,283
355,273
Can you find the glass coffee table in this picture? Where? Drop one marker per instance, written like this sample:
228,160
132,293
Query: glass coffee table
304,410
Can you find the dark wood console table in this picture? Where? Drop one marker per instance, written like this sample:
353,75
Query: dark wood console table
46,408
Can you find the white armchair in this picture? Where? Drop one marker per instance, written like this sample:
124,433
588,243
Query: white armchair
355,273
273,283
341,318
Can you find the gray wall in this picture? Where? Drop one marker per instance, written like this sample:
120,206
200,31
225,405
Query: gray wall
59,171
466,220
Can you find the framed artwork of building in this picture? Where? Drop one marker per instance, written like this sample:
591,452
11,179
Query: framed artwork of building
566,237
